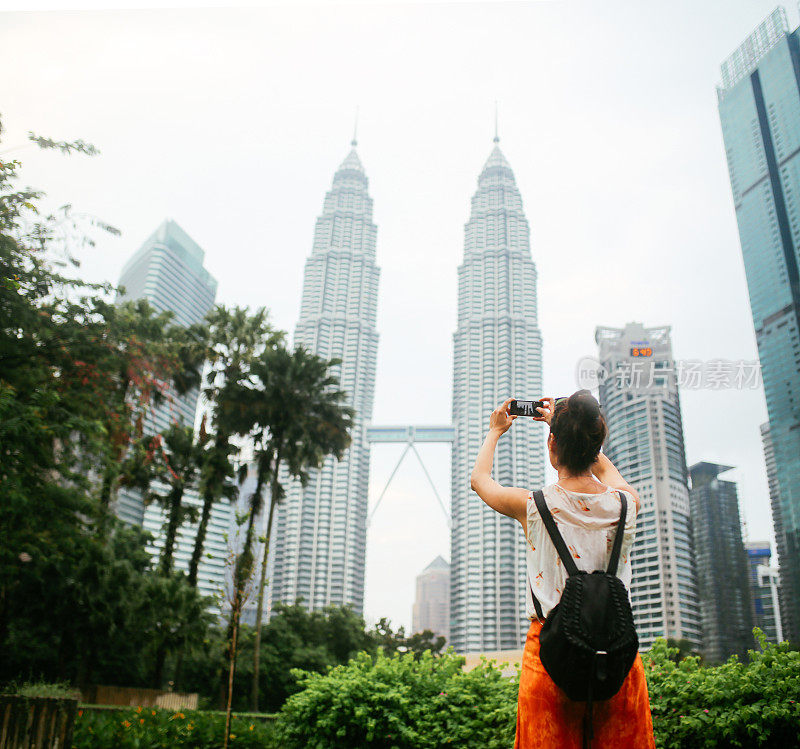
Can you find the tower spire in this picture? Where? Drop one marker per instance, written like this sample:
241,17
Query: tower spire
354,142
496,136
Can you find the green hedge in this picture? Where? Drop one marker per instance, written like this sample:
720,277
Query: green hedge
736,704
403,703
431,703
146,728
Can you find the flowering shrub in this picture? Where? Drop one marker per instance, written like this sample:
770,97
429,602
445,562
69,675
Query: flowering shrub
732,705
146,728
401,702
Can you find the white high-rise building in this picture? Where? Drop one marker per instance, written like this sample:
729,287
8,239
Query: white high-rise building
498,354
167,271
320,531
639,397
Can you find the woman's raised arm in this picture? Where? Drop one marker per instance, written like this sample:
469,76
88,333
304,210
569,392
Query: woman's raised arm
509,501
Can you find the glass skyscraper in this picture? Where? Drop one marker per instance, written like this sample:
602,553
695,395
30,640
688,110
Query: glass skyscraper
168,271
319,533
721,564
759,106
758,555
639,397
497,354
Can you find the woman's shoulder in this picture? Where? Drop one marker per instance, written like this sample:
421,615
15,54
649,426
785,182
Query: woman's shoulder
604,504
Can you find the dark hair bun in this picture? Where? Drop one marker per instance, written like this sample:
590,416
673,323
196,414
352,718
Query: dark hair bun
579,429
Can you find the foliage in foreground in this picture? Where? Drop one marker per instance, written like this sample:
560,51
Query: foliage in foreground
401,702
404,702
735,704
163,729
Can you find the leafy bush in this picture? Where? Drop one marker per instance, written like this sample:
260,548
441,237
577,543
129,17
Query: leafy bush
401,702
732,705
145,728
58,690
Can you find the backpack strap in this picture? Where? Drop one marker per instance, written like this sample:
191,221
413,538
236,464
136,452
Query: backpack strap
617,547
536,604
555,536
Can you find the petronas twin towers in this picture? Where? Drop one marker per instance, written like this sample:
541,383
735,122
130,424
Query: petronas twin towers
320,531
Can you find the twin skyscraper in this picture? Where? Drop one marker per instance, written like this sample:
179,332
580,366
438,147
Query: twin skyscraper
320,530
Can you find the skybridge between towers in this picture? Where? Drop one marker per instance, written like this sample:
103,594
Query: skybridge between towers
410,435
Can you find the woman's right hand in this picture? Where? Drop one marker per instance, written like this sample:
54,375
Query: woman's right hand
547,411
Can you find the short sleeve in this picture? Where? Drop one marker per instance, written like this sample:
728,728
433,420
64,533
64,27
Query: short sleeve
630,512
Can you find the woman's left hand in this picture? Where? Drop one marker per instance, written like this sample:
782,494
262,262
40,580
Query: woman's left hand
500,421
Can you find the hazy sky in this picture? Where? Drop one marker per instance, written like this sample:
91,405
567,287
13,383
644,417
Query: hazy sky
232,122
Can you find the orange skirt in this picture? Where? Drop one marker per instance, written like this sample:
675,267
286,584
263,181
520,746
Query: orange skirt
546,718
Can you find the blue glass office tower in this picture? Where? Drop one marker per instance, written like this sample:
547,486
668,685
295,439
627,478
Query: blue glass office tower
759,106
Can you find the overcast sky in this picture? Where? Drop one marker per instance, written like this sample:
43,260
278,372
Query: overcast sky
232,122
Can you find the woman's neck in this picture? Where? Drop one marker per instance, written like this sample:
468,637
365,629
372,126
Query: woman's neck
577,480
565,475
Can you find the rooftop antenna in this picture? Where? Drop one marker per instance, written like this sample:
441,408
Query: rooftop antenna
496,136
354,142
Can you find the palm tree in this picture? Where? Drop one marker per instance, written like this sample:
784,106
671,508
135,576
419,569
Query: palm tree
216,482
298,417
163,467
234,337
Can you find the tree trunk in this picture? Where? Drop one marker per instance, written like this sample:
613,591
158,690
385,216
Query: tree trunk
175,496
108,488
212,491
200,538
241,574
231,668
158,666
262,581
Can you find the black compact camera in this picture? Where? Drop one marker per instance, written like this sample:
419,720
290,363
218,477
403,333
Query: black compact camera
525,408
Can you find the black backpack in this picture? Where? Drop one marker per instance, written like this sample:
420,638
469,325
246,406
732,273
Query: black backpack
588,642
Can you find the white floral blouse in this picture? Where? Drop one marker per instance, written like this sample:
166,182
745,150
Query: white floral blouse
588,524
